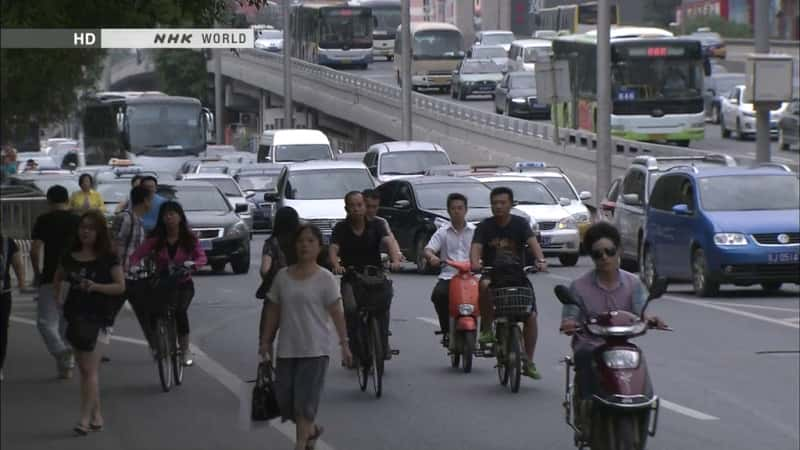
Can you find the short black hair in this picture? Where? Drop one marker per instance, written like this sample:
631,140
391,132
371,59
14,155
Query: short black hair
351,194
86,175
138,195
57,194
500,190
454,197
151,178
371,194
601,230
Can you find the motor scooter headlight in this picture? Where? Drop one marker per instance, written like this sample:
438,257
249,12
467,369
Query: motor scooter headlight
466,310
621,359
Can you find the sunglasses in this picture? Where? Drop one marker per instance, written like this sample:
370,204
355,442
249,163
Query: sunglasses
598,254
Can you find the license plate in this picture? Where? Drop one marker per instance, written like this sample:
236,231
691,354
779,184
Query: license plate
546,240
207,244
347,61
326,239
784,257
485,88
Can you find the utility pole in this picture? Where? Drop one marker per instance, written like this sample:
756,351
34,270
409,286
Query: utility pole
603,175
762,111
219,95
288,109
405,71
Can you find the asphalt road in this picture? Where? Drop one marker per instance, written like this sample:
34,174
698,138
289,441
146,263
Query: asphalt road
723,387
383,71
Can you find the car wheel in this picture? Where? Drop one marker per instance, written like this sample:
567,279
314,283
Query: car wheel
704,285
497,110
461,95
241,264
218,266
648,272
739,133
452,92
771,287
726,133
568,259
682,143
715,114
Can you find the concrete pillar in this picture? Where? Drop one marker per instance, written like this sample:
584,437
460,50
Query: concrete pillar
496,14
464,11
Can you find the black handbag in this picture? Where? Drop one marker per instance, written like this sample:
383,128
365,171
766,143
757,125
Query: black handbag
264,404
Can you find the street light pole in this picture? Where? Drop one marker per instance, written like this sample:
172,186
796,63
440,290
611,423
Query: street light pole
405,69
288,110
603,166
219,107
762,111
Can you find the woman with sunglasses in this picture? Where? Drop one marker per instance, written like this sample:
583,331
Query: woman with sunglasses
602,289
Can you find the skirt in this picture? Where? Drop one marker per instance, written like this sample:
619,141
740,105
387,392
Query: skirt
298,386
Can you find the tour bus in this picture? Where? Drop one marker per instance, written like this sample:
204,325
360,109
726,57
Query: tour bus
571,19
386,19
332,34
656,85
435,54
150,128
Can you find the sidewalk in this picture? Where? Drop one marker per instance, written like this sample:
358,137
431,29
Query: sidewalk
38,411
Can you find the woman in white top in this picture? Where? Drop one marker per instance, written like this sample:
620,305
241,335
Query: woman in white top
302,299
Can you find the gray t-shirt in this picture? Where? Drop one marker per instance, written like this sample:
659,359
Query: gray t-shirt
304,321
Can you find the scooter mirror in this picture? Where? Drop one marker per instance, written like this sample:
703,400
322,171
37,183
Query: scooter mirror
564,295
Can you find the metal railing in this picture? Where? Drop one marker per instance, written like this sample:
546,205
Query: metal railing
19,214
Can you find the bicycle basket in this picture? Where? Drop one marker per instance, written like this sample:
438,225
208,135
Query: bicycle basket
372,292
513,301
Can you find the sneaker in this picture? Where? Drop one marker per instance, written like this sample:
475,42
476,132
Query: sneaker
531,372
486,337
446,340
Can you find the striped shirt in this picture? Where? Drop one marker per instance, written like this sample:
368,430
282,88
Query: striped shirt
130,236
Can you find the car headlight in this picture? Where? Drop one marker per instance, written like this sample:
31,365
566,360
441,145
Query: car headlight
237,229
534,226
519,100
466,310
621,359
567,223
730,239
581,217
440,222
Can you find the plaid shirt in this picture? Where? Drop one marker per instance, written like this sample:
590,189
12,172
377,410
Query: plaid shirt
131,232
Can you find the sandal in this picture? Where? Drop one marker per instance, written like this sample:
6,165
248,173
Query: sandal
95,427
312,440
80,430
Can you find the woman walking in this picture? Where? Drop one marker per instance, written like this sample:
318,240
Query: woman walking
87,198
302,300
173,243
277,254
95,279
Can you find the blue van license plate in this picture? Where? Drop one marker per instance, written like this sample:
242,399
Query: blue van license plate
784,257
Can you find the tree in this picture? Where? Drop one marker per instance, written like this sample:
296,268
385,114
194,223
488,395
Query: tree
182,72
42,85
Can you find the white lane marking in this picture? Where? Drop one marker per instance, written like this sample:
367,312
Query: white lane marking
793,319
233,383
733,311
689,412
745,305
560,277
674,407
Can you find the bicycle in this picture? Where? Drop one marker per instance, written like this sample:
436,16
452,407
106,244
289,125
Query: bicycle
369,337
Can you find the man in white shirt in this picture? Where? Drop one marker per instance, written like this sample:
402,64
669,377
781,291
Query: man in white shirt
451,242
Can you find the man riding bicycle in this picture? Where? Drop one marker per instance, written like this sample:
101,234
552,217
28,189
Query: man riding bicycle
356,243
500,242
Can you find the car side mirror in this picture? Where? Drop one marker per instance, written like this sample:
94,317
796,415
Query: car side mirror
631,199
682,209
271,197
402,204
240,208
585,195
563,201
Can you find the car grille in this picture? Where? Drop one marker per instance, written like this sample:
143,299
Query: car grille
265,208
208,233
544,226
439,72
553,246
324,225
772,238
767,270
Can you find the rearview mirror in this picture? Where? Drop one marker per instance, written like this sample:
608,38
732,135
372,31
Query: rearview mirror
402,204
240,208
681,209
631,199
585,195
563,201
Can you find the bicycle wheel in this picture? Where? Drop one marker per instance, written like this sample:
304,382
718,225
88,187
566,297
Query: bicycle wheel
500,353
175,352
515,356
162,359
361,357
376,351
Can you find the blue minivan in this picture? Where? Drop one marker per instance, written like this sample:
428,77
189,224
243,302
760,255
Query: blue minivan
724,225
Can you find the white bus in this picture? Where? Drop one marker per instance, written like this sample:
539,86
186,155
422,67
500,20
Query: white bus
332,33
436,50
386,19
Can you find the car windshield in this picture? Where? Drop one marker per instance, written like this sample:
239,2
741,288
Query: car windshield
212,169
257,182
201,199
523,81
226,185
411,163
750,193
727,82
270,34
480,67
302,152
488,52
434,195
114,192
532,53
526,192
497,39
326,184
560,187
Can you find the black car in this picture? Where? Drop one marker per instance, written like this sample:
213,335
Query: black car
516,96
260,179
223,235
416,207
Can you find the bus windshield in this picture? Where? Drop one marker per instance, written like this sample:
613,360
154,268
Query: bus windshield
432,44
387,19
656,79
341,28
165,127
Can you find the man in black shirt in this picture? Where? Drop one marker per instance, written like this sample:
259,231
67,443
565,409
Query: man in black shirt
356,242
500,241
54,231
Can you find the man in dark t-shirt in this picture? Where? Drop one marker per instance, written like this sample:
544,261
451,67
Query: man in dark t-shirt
53,230
500,241
356,242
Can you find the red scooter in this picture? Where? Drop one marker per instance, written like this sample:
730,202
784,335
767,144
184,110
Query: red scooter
464,313
622,410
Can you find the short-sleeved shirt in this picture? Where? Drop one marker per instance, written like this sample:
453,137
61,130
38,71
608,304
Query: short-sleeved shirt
503,245
98,271
151,217
304,321
10,247
449,243
56,229
359,251
129,235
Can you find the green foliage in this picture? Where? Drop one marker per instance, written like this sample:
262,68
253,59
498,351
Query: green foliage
721,26
658,13
182,72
